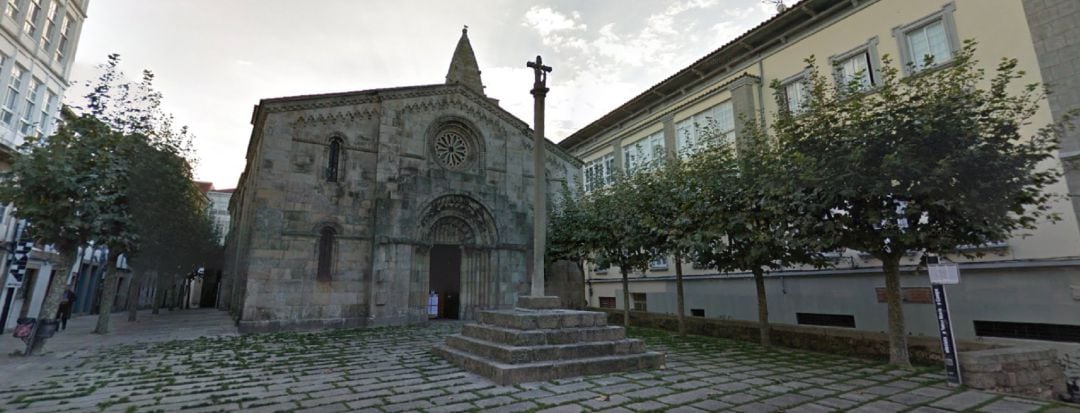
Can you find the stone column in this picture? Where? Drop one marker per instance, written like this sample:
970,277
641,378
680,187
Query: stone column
743,90
539,92
669,136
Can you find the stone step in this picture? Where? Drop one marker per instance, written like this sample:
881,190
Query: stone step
509,374
525,319
528,354
515,337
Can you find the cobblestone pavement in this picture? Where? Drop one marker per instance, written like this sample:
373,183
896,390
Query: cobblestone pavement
392,370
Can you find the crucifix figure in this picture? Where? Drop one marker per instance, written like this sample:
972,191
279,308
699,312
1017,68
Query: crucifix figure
539,91
540,84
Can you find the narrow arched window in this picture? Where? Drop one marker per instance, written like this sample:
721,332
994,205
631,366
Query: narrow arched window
334,160
326,254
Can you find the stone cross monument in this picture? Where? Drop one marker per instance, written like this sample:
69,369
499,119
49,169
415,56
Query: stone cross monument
536,340
539,91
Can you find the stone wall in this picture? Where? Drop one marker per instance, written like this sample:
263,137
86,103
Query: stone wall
1027,371
397,193
833,340
565,280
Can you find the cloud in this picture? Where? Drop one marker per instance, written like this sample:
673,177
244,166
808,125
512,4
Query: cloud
546,20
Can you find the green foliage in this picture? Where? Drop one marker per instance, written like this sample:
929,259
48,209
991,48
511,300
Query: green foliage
59,184
116,175
925,163
747,208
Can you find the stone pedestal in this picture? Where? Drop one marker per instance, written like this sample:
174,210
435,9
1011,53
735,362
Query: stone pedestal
537,342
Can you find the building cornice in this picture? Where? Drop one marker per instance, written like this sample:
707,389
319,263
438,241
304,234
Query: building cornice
777,31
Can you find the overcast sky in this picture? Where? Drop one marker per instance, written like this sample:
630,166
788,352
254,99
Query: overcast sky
214,59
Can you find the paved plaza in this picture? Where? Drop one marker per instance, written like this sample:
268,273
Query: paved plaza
392,370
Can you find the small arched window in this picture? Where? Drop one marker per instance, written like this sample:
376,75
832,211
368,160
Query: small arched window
326,254
333,160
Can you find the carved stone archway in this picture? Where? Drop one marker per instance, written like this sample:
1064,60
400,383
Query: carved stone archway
461,221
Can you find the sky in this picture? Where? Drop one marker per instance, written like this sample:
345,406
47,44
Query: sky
215,59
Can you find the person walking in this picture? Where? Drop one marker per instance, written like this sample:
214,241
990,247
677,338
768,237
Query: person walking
65,307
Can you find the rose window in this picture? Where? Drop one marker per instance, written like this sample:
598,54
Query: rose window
452,149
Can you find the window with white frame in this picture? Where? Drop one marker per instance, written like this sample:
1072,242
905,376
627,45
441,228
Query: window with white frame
44,120
706,128
928,42
11,101
932,37
796,93
599,172
32,14
12,8
658,263
26,122
644,152
61,47
856,68
50,25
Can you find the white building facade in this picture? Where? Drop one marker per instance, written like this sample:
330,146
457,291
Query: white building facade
38,41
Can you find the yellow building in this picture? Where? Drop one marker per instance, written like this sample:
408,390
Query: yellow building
1028,287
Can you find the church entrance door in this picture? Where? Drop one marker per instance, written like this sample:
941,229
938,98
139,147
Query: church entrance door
445,280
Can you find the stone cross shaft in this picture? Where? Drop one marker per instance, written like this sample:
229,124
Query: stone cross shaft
539,91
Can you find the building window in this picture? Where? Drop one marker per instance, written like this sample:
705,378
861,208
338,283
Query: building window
831,320
11,101
706,128
30,24
26,123
639,300
932,37
607,302
658,263
43,124
50,25
644,152
1029,331
796,92
65,31
12,8
599,172
859,65
333,160
326,254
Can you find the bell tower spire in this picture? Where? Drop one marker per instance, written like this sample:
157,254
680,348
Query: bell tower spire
463,67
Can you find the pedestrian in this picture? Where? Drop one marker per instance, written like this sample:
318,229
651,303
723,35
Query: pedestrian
65,307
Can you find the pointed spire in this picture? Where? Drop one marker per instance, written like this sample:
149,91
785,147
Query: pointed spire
463,67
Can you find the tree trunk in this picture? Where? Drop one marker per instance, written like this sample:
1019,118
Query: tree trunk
54,294
625,297
762,306
134,290
159,295
680,298
108,296
898,348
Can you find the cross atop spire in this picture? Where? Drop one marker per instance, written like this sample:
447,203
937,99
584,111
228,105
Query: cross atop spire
463,67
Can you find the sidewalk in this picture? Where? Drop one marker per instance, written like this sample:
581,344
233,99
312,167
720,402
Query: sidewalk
68,346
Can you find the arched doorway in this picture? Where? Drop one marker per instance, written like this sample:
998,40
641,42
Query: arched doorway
456,267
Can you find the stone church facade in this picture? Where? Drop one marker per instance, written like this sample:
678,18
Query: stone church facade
385,206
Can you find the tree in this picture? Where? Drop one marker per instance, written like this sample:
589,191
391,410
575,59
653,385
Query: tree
748,205
144,147
674,210
57,185
924,163
613,228
566,240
